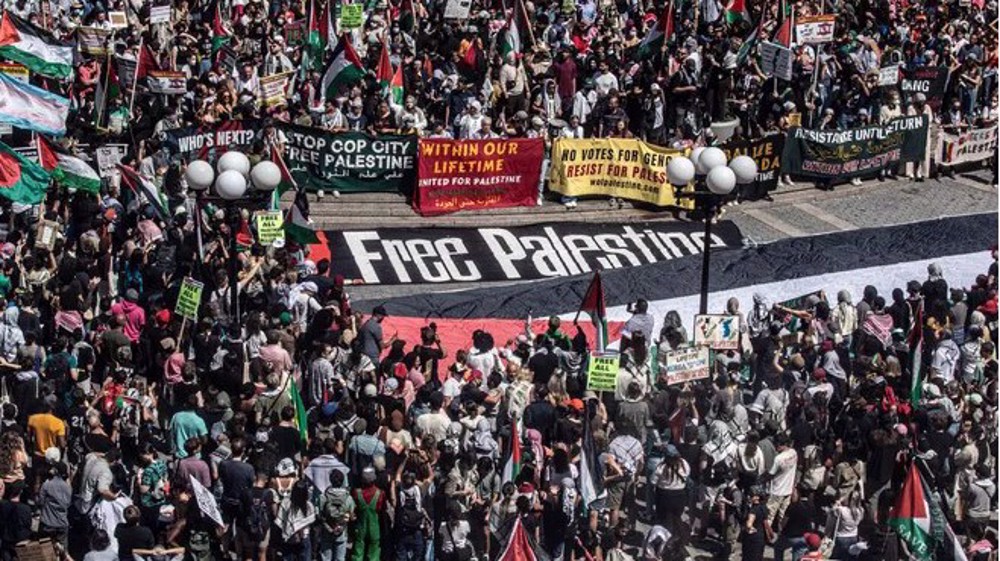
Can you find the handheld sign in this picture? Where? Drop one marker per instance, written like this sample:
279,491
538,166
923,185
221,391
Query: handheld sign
189,298
602,372
269,227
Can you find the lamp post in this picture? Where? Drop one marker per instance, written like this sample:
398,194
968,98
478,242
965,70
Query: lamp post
236,187
714,183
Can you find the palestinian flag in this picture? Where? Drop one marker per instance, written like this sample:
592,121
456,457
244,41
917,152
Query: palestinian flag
785,30
750,42
736,11
407,17
317,37
287,183
659,34
511,42
920,522
35,48
21,180
396,91
300,411
345,68
220,36
146,63
69,171
142,186
513,466
520,546
591,482
593,304
917,358
383,72
298,226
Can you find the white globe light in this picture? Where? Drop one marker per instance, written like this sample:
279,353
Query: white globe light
265,176
745,169
199,175
711,158
721,180
231,185
235,161
695,157
680,171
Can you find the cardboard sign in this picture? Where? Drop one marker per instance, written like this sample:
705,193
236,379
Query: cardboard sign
159,14
457,9
888,76
270,227
352,16
602,372
15,71
47,234
684,365
717,331
108,158
815,29
189,298
776,60
118,20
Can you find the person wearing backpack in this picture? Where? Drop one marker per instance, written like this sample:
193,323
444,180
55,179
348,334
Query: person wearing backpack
336,511
253,534
369,506
411,520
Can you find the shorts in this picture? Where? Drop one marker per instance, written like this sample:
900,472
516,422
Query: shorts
616,494
247,542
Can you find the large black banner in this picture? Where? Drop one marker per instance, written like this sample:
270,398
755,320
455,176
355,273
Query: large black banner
210,142
442,255
767,153
929,80
852,152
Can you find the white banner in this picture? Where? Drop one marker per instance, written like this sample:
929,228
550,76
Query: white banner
888,76
776,60
206,502
108,158
684,365
159,14
815,29
457,9
971,146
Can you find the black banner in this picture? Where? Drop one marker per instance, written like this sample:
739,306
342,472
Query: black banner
442,255
853,152
209,142
929,81
767,153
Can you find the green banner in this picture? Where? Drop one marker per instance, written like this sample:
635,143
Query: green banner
189,298
602,372
350,162
352,16
842,154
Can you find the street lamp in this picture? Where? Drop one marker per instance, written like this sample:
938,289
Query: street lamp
232,193
708,166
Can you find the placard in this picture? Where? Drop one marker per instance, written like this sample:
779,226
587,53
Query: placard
166,82
273,88
126,71
456,175
889,75
776,60
717,331
687,364
971,146
47,234
118,20
189,298
206,502
93,40
15,71
602,372
815,29
159,14
295,32
226,58
108,157
270,227
352,16
929,80
457,9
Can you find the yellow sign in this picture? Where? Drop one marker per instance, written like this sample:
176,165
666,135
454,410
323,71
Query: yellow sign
269,227
602,372
616,167
15,71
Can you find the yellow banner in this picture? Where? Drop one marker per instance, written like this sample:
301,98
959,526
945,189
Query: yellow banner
615,167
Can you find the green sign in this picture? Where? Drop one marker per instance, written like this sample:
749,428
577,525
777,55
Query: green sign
602,372
350,162
189,298
270,227
352,16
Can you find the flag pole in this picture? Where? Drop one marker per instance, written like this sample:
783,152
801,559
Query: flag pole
107,78
135,76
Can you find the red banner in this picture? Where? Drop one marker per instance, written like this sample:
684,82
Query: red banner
469,174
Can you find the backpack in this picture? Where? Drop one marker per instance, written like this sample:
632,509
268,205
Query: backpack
57,368
258,514
335,506
409,517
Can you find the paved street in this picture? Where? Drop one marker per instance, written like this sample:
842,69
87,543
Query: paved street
796,211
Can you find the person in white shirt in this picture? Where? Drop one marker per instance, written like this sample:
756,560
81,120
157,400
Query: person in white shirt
782,478
605,81
670,480
471,120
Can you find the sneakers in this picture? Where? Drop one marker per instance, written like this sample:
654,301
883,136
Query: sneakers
336,194
856,181
571,204
320,194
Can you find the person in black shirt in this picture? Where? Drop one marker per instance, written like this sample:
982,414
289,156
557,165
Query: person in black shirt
540,415
132,535
755,527
544,363
236,477
799,518
286,435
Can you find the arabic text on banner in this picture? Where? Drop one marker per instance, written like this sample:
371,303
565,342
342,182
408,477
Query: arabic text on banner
624,168
842,154
455,175
350,161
